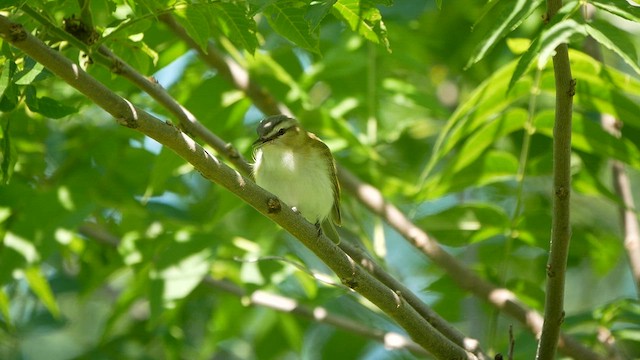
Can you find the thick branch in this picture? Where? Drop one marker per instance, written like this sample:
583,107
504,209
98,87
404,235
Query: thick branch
210,167
560,226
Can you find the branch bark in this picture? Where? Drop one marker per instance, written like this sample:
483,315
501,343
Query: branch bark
560,226
210,167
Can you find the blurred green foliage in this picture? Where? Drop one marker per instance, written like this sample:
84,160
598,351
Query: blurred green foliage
446,108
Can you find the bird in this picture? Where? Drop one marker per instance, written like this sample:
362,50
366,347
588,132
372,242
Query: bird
297,167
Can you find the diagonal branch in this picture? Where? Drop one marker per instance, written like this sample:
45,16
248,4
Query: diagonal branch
234,74
211,168
373,199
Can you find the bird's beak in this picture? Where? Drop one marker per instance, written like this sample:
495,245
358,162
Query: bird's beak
259,142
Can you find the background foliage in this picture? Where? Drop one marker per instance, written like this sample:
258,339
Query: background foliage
447,109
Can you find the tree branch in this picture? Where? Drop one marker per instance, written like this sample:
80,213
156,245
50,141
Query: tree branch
467,343
232,73
372,199
560,225
281,303
211,168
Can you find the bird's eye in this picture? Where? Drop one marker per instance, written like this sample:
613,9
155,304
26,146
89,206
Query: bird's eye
281,132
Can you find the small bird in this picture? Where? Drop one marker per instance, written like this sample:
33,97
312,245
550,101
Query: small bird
297,167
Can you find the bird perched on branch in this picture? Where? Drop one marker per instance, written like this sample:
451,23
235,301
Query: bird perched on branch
297,167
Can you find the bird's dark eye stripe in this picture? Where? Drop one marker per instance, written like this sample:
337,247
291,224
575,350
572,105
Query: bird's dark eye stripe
281,131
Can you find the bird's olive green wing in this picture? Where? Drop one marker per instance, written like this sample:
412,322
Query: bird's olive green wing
335,212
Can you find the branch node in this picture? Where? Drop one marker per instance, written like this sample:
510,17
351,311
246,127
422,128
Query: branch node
546,18
562,192
231,151
351,282
117,66
273,206
572,88
80,30
550,272
127,122
17,33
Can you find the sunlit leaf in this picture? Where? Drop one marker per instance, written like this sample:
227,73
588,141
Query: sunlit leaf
40,286
616,40
544,47
233,21
589,136
364,18
32,72
8,153
288,19
466,223
510,19
4,307
195,21
621,8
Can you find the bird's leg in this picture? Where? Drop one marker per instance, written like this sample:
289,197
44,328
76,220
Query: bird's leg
318,228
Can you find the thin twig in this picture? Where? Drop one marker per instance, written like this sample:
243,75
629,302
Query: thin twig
512,343
560,225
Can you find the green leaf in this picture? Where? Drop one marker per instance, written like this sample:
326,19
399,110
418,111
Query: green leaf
466,224
233,21
486,136
616,40
621,8
588,136
558,34
32,72
487,101
543,47
195,21
318,10
288,18
54,109
45,105
164,167
5,306
8,153
180,278
510,19
8,68
364,18
41,288
494,166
